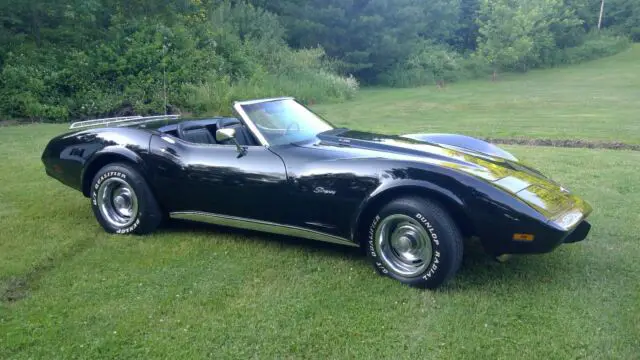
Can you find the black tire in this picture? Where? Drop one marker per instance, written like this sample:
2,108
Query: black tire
440,231
144,217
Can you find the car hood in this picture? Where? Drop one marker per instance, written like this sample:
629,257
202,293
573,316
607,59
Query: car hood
352,143
540,192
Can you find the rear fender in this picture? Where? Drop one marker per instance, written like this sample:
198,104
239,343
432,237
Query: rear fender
107,155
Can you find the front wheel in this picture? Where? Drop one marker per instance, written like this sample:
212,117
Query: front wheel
415,241
123,202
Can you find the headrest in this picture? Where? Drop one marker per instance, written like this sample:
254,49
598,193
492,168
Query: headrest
226,122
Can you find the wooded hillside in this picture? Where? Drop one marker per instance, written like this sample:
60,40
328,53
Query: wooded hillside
70,59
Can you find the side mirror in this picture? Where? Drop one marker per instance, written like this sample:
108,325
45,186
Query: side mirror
223,135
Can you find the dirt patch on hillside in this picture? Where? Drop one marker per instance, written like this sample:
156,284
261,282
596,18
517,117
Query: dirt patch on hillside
567,143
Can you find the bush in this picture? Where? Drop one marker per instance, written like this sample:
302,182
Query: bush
428,64
593,45
434,64
201,63
23,90
597,44
302,74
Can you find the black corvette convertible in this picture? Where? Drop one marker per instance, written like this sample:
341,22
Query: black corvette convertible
407,200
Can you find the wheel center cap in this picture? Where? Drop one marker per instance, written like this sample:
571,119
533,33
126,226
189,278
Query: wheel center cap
121,203
403,244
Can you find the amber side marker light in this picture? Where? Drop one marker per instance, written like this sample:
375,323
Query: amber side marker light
523,237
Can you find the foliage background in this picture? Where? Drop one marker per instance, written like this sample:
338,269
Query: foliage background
70,59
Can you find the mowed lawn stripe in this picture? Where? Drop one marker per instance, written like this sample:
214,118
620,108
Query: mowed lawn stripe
596,101
201,291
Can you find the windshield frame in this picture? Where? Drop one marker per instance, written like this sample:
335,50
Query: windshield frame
238,107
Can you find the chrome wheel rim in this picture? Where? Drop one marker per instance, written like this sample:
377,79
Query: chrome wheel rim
117,202
404,245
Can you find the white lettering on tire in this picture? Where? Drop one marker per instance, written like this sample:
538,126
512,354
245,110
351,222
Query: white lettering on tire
130,228
381,268
372,246
372,232
429,227
94,198
435,260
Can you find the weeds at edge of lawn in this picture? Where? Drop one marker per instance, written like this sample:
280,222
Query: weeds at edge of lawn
566,143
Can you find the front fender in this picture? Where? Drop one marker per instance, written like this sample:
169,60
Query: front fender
390,190
464,142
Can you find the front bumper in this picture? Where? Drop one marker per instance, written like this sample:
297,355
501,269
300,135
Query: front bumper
534,237
579,233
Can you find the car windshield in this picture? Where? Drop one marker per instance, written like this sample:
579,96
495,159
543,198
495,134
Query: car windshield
285,121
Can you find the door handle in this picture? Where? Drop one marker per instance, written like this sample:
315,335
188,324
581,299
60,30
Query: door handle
170,151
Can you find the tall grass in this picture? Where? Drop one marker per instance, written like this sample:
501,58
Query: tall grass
596,45
303,74
152,66
436,64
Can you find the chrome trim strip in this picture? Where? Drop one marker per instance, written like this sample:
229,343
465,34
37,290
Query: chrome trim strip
259,225
237,106
94,122
257,101
122,120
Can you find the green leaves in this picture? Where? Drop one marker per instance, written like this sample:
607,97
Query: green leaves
517,33
103,58
62,59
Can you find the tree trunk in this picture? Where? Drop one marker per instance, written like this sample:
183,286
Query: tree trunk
35,24
601,12
495,75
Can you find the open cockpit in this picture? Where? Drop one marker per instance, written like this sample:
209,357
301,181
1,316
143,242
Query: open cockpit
203,131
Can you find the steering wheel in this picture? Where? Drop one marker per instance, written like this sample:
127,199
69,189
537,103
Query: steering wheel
290,126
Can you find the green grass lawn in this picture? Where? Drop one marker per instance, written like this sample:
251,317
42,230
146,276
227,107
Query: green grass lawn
201,291
598,100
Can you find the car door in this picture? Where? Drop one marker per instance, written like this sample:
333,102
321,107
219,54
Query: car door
326,187
218,180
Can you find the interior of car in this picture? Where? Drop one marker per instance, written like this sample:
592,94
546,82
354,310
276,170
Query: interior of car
203,131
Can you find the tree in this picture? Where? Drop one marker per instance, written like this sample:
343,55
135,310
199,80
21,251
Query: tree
368,37
505,33
623,16
523,33
467,27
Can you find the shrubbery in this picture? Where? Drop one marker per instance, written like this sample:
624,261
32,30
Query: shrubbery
436,64
201,62
74,59
312,81
410,43
595,45
432,64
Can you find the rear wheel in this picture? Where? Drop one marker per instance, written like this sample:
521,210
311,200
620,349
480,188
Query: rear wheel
122,201
415,241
